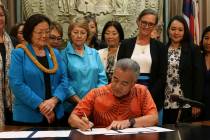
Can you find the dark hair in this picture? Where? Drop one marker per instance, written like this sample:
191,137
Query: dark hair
92,18
30,24
117,26
56,26
187,39
148,12
205,31
4,11
15,28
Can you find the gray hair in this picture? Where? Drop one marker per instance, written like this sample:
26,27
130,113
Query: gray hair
128,64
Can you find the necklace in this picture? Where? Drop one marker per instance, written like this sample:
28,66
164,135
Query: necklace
36,62
143,49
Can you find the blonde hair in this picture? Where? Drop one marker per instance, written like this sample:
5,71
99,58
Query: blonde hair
4,11
80,22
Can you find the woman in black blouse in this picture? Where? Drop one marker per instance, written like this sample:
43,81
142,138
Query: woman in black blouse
205,46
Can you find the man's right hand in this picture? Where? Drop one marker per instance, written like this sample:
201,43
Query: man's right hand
82,123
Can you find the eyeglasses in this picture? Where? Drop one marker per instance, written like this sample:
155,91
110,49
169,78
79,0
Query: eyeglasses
47,32
55,38
146,24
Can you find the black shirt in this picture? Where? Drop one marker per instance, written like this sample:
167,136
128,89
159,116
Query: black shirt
44,62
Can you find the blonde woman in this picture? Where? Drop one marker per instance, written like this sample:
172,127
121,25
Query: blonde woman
84,67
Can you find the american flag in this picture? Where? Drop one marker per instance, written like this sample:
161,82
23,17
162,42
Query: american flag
191,14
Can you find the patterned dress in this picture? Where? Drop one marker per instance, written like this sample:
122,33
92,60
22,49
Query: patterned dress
6,96
173,85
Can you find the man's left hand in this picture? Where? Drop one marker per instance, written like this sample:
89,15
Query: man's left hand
119,124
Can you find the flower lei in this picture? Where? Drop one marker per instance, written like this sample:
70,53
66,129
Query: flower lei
36,62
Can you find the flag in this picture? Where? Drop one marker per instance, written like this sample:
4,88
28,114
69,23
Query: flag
191,15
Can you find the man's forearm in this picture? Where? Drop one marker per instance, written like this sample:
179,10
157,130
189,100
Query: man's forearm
147,120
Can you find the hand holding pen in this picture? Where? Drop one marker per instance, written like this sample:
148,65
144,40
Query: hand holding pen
88,123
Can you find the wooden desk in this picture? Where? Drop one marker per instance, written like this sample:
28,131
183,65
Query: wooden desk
13,128
207,123
193,131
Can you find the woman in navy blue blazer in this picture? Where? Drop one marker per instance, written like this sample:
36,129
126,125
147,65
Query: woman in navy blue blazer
37,77
205,46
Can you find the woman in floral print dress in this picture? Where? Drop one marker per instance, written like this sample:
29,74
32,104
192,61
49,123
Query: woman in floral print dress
183,73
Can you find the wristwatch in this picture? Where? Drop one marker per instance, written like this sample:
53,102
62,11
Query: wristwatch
132,122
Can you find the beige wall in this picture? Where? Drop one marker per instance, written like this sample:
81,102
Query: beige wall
174,8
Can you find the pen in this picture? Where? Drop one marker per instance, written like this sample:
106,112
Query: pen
87,120
116,130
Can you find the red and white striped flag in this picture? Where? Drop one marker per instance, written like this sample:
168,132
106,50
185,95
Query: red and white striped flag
191,14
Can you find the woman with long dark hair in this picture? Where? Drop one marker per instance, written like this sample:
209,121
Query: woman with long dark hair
205,47
184,72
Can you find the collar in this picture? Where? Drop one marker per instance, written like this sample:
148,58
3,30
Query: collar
70,49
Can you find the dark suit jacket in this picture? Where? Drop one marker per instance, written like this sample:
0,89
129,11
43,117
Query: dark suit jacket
190,71
206,95
156,83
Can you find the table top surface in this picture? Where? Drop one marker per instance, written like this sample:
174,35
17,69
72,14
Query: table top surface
184,131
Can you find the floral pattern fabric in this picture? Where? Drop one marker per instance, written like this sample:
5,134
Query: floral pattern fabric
5,92
173,85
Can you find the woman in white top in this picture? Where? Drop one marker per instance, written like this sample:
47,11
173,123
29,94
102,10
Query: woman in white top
148,53
112,35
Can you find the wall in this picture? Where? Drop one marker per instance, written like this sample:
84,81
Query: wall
124,11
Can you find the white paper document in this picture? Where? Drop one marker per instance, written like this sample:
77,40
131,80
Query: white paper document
136,130
15,134
104,131
97,131
158,129
56,133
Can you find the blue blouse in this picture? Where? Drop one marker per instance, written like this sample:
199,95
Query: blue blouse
84,72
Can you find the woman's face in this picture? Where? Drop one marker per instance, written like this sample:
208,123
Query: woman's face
40,34
146,25
112,37
206,42
78,36
176,31
55,38
92,27
20,34
2,19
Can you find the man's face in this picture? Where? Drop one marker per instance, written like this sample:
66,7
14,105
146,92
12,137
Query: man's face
122,82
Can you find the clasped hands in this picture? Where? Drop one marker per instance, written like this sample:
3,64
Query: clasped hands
47,107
